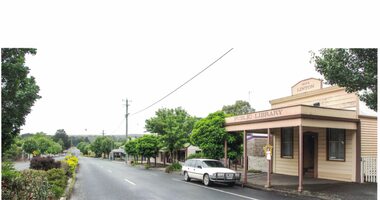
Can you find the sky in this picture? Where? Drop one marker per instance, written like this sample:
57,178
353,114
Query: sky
92,55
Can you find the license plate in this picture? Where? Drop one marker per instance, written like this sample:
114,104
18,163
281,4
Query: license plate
229,176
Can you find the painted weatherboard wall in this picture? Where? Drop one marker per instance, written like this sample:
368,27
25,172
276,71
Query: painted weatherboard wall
368,136
192,149
287,166
334,170
331,97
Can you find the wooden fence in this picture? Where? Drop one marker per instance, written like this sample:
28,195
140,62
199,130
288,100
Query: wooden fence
368,169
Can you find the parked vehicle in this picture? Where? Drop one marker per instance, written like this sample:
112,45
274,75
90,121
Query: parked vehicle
209,171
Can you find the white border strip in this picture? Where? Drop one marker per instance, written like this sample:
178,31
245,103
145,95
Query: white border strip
210,188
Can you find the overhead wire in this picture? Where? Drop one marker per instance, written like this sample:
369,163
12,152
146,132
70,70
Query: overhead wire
183,83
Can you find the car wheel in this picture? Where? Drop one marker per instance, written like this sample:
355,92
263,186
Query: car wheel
186,177
206,180
231,184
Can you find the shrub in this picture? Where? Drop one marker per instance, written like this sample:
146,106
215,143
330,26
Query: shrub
195,155
58,181
254,171
9,180
8,171
31,184
146,166
66,168
35,184
72,161
168,169
173,167
42,163
13,153
176,166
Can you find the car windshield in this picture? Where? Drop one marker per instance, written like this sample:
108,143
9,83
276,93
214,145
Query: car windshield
211,163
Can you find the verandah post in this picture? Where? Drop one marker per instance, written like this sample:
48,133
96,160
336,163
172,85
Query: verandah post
300,159
225,152
269,163
245,157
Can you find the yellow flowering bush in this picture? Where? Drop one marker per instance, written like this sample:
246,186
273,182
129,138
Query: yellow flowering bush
72,162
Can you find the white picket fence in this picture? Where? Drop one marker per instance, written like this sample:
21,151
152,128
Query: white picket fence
368,169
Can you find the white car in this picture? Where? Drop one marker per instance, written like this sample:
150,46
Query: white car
209,171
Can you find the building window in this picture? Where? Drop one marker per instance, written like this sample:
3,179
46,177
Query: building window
287,142
336,143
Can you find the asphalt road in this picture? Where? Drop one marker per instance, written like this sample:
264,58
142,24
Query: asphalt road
104,179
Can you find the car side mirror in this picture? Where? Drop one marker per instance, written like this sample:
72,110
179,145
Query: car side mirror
200,167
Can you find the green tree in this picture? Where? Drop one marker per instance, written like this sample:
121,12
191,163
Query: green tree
76,140
43,142
61,135
82,146
18,93
173,126
60,142
209,135
96,146
234,147
15,151
87,149
30,145
107,146
102,145
54,148
354,69
148,146
239,108
131,148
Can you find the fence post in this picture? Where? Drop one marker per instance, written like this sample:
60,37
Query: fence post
361,171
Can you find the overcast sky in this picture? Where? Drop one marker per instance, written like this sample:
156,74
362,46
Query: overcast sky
93,54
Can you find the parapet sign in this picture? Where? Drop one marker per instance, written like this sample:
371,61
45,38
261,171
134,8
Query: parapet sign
307,85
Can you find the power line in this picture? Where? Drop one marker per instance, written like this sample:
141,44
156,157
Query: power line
118,126
184,83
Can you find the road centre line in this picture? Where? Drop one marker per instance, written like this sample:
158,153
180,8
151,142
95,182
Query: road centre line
230,193
130,181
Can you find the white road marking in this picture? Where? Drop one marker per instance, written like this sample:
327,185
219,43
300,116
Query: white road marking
210,188
109,171
118,162
130,181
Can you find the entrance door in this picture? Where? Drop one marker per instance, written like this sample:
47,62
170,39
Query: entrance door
309,154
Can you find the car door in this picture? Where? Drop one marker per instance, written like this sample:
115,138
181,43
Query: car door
190,169
198,172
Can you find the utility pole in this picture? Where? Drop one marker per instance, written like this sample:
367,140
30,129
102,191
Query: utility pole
126,119
103,133
126,126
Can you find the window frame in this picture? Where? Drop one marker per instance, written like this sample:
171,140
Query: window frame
197,163
191,163
328,132
282,144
